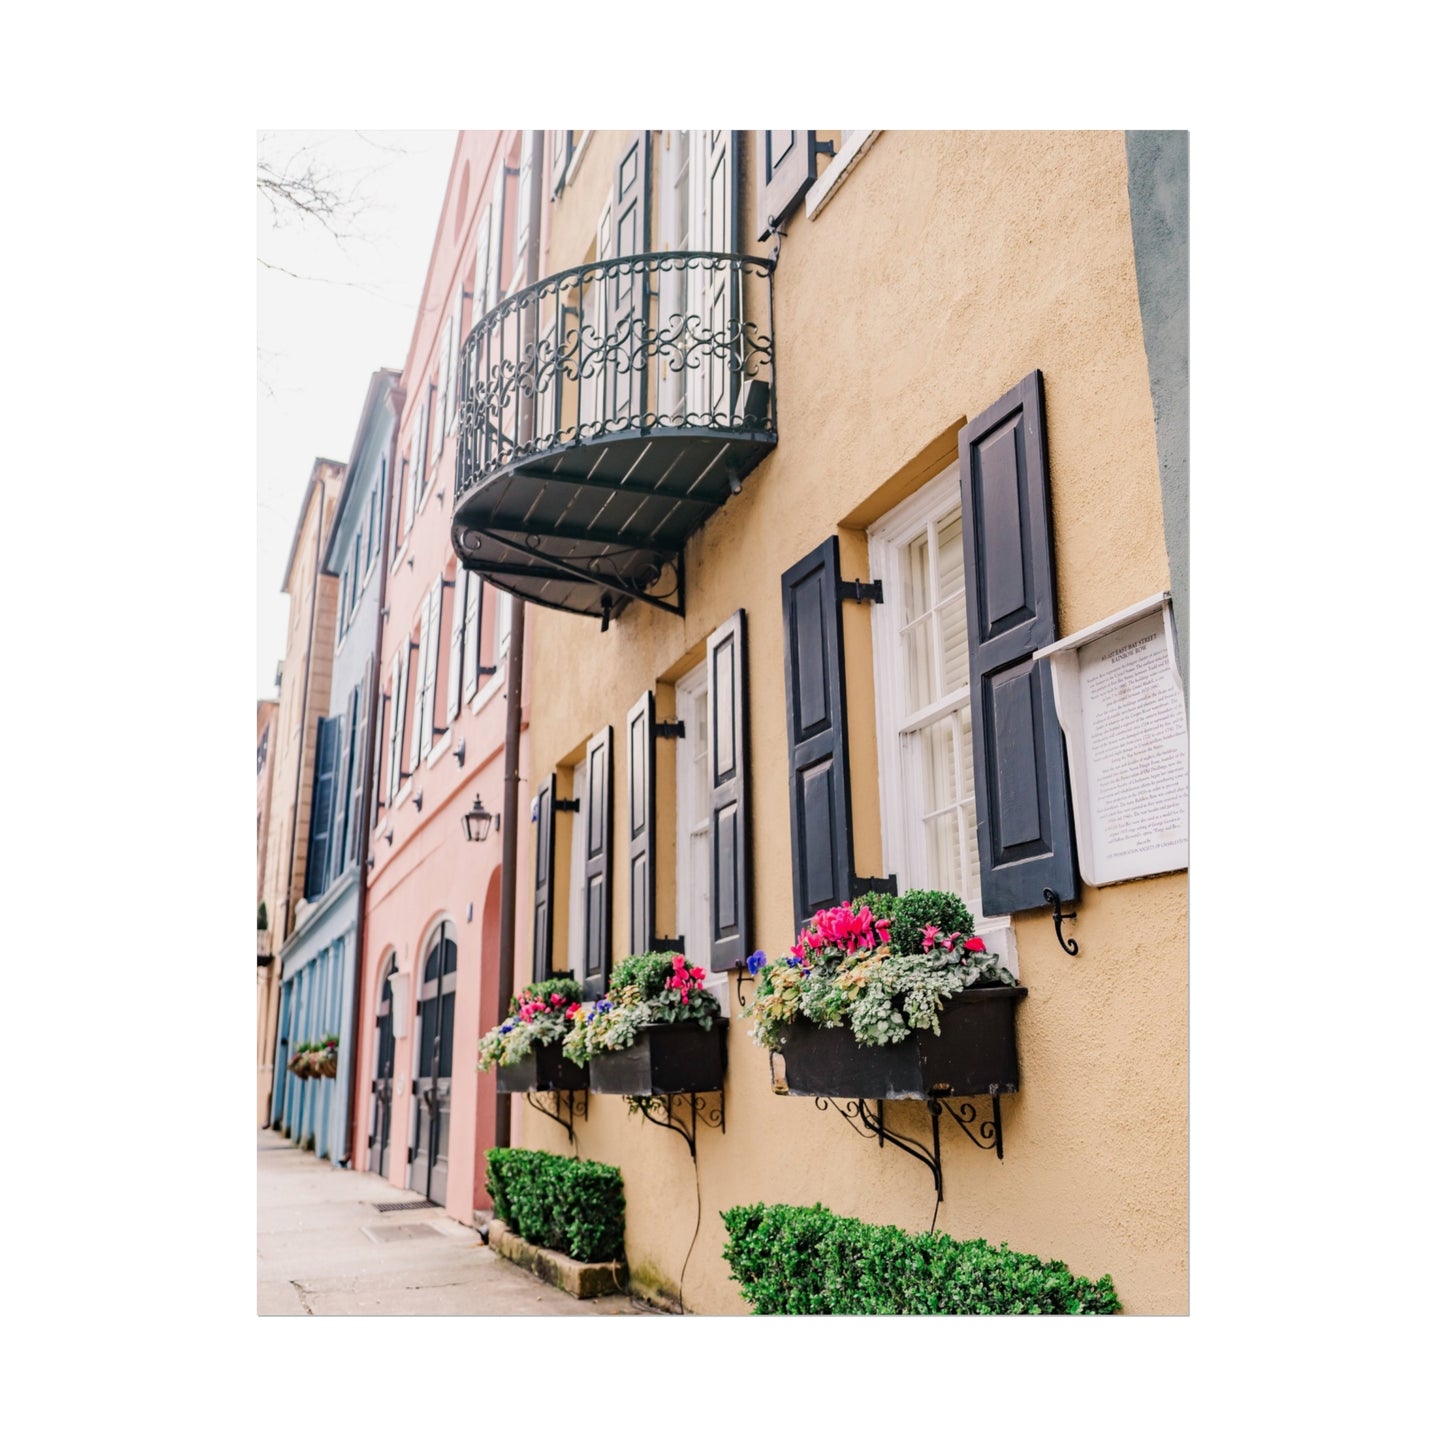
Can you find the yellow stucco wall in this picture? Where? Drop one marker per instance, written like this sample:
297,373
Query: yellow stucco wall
944,269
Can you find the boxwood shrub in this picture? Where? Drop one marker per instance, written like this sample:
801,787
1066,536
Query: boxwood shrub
810,1261
571,1205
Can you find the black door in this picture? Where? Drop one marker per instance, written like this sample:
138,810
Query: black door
380,1156
432,1083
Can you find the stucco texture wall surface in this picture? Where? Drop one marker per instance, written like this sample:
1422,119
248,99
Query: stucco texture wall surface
947,267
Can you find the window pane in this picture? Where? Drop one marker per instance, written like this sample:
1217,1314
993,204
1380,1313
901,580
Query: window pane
916,596
944,861
920,685
953,627
940,774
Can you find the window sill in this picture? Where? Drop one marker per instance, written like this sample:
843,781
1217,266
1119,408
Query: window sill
854,149
495,684
440,748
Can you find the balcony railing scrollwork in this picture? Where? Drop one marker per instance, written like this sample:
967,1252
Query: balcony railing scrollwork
606,412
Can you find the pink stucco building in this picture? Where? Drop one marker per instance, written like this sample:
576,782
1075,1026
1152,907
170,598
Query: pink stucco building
429,980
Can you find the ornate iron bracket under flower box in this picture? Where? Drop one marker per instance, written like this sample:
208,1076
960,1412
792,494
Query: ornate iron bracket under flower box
660,1109
665,1063
856,1112
555,1113
973,1054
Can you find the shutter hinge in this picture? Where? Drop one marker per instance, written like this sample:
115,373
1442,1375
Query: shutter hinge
410,1155
860,591
669,945
875,885
566,805
487,671
670,729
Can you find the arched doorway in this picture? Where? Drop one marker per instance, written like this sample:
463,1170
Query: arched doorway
436,1001
379,1160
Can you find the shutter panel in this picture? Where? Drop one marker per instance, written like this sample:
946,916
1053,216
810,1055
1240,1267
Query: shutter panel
561,155
460,589
787,166
543,877
363,752
472,635
596,819
393,741
642,824
429,644
498,237
415,461
411,759
341,792
321,801
820,804
731,863
1025,830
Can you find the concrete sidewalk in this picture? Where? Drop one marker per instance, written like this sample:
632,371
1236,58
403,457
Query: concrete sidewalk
323,1248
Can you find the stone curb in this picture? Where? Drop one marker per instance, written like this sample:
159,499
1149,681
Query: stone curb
584,1281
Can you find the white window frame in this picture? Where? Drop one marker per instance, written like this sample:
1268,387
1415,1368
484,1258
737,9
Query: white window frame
693,902
576,874
888,539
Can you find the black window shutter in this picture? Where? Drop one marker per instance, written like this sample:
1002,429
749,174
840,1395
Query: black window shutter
596,818
542,880
363,746
820,804
727,692
1025,830
787,166
327,729
642,823
341,791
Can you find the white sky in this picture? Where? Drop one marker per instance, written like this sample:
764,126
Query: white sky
319,339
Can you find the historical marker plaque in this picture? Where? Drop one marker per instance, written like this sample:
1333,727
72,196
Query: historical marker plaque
1121,705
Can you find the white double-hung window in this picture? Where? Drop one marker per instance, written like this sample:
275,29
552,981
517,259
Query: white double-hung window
925,732
694,825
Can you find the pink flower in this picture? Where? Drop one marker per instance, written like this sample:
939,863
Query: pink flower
930,932
974,945
884,925
573,1010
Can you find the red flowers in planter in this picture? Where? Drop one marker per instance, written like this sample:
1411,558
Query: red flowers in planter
684,978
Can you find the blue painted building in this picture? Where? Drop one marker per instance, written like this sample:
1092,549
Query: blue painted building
319,959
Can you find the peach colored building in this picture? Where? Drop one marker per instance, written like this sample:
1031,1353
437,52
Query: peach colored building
851,496
430,975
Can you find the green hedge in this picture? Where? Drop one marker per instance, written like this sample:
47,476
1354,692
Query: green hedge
796,1261
571,1205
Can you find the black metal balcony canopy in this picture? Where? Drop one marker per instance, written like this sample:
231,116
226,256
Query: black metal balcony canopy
606,413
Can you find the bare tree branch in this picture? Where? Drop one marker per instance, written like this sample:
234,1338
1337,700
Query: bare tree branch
299,188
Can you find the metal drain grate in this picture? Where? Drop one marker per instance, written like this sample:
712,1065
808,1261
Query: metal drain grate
405,1204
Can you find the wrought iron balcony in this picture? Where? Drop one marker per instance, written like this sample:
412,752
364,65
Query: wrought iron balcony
607,412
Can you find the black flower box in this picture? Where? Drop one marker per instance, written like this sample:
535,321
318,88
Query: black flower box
543,1071
974,1052
665,1059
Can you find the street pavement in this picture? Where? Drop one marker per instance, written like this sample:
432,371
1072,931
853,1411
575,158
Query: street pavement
323,1248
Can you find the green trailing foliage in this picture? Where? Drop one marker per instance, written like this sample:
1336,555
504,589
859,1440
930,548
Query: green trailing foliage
574,1206
881,966
540,1015
645,988
809,1261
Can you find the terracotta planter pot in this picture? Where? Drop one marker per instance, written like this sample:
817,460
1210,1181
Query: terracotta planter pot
665,1059
974,1052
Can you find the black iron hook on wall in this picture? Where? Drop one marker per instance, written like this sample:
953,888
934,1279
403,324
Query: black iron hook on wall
1069,945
